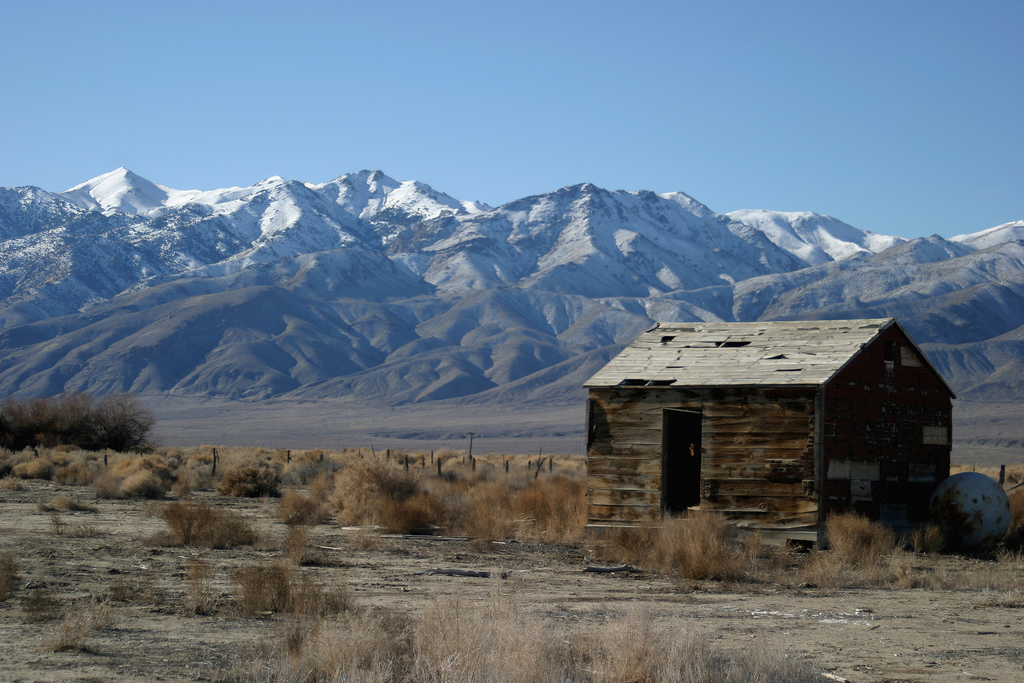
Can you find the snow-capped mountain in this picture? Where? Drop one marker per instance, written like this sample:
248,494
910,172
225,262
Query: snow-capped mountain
815,238
392,292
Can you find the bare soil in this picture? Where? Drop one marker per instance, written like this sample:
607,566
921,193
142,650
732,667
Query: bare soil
90,558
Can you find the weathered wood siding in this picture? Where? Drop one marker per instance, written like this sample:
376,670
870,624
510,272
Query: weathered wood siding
757,453
886,434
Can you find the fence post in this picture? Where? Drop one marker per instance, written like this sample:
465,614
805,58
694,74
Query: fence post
1002,474
439,467
213,472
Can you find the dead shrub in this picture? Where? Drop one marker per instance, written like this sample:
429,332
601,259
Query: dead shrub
363,490
57,524
487,515
555,508
8,575
199,586
281,588
250,481
200,525
631,545
698,547
927,539
37,468
74,474
135,478
1015,535
321,486
421,513
859,541
298,508
11,483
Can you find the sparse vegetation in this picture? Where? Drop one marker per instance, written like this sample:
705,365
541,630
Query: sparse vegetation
292,572
78,623
499,641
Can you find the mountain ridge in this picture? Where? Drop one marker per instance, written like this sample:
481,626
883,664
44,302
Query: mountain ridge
379,291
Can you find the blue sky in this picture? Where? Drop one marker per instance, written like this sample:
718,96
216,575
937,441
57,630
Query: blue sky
899,117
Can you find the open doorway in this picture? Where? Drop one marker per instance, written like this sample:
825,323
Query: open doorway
680,459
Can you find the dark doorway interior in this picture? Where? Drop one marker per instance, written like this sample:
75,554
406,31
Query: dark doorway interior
680,459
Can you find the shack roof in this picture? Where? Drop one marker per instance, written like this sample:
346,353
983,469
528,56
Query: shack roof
768,353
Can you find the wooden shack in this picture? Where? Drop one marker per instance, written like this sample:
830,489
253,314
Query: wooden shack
773,424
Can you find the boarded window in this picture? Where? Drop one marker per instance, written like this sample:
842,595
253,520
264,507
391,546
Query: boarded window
922,473
935,435
860,489
909,358
845,469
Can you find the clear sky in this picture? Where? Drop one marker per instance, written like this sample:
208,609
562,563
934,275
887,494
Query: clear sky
900,117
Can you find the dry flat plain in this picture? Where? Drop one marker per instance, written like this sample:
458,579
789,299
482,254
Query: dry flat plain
96,596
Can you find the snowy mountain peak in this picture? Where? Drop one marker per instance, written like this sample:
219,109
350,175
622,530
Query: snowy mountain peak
369,194
813,237
120,191
1007,232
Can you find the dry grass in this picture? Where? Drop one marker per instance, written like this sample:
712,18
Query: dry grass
65,504
554,509
78,623
200,525
697,547
499,642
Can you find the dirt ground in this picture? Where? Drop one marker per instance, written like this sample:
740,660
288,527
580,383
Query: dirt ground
105,557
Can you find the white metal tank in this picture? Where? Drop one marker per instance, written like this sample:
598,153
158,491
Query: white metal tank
972,510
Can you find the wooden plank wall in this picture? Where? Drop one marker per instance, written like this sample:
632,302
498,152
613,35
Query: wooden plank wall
757,459
887,434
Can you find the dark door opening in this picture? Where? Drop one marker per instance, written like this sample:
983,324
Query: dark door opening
680,459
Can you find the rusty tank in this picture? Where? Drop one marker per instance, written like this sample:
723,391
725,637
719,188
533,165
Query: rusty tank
972,510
